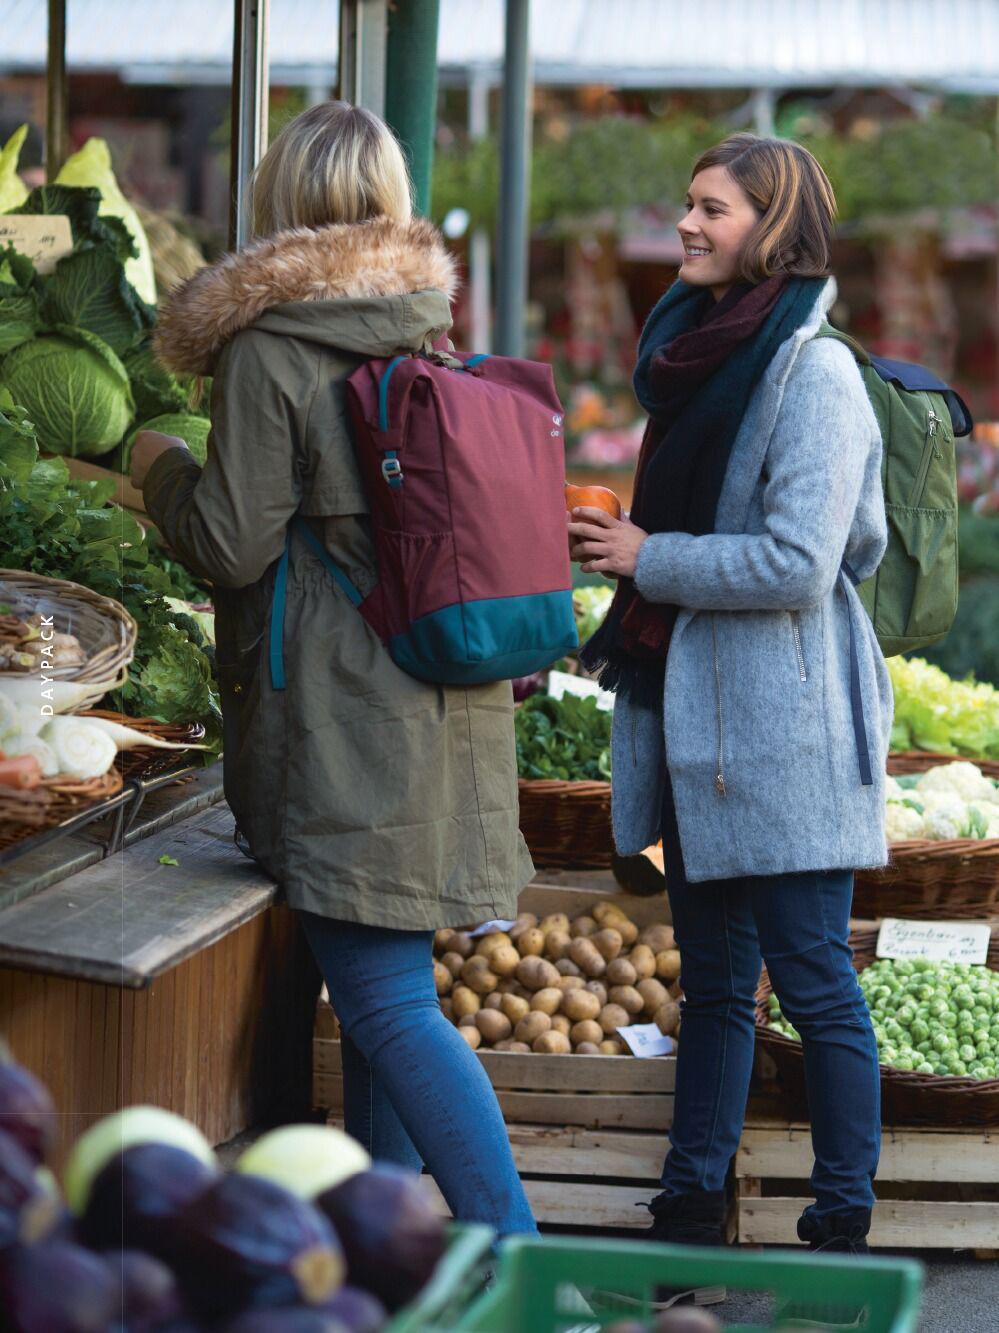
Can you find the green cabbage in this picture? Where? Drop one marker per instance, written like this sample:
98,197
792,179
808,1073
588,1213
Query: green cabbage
89,290
74,390
193,430
154,388
19,307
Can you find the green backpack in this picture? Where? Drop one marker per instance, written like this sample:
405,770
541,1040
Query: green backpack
912,596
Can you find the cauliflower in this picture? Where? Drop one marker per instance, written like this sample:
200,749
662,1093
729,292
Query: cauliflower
893,792
961,779
992,828
946,819
902,822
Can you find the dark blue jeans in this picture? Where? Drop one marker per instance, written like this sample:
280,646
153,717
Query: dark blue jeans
413,1089
799,925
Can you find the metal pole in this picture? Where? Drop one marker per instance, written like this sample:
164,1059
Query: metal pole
363,35
514,182
56,92
411,88
249,109
480,246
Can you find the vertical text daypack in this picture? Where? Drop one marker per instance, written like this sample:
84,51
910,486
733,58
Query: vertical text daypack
464,470
912,596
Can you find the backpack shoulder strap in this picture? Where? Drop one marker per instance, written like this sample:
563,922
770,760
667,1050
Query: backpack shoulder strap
826,330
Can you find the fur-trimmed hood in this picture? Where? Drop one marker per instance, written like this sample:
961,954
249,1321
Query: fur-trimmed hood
358,262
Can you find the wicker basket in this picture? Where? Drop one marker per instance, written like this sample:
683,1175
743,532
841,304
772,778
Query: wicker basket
954,879
55,800
918,761
567,824
106,631
907,1098
141,763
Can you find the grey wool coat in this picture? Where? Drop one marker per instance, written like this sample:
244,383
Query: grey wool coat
757,727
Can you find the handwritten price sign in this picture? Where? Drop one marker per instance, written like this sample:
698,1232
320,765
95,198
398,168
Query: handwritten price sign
942,941
45,240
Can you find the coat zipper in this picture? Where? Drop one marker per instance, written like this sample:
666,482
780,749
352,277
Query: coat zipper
796,631
720,774
929,449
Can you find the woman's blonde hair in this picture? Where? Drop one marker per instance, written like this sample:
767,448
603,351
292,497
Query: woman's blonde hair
795,201
333,163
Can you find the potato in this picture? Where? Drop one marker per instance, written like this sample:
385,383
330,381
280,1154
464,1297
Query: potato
658,937
526,921
465,1001
554,921
477,975
552,1043
668,964
581,1004
568,968
548,1000
583,926
612,1017
488,944
514,1047
515,1007
504,960
608,942
453,962
466,1021
586,956
619,973
667,1018
473,1036
557,944
643,960
531,1026
566,984
586,1030
443,979
654,994
561,1024
536,973
531,942
604,909
507,985
628,998
611,1047
447,1009
493,1025
587,1048
494,1000
625,928
598,989
442,939
462,943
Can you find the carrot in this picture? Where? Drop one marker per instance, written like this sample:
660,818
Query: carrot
21,771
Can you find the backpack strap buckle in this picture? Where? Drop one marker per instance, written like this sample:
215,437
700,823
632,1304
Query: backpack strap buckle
392,470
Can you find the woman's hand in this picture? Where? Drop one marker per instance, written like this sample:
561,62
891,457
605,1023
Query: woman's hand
608,545
149,444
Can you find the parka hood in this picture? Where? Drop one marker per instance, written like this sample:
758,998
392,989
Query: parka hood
371,288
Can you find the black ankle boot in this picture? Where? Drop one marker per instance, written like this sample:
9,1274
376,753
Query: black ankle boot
688,1219
836,1233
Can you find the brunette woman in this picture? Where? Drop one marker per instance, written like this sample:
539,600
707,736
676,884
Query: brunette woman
753,703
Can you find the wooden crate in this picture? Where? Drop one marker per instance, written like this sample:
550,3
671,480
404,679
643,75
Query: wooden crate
937,1189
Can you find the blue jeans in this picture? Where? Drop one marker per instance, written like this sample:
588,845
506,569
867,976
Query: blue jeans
414,1091
799,925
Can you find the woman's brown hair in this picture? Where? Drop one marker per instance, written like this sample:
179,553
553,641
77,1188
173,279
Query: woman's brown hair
793,197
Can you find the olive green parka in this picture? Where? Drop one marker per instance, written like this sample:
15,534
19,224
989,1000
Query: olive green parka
369,796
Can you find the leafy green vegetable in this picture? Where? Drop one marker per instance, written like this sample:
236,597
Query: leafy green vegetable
193,430
20,318
18,450
933,712
590,605
73,388
89,290
168,861
82,207
155,390
565,738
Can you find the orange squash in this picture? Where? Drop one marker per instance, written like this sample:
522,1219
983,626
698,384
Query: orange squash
592,497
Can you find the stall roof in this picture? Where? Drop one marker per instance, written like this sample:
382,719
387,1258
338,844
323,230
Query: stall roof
951,44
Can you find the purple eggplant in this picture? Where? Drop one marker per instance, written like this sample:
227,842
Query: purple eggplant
29,1204
246,1242
54,1287
358,1310
27,1111
134,1201
150,1297
390,1232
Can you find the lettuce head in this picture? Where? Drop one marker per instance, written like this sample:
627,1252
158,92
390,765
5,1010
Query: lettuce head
193,430
73,389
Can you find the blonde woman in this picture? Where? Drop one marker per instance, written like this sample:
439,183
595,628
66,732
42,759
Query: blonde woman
385,807
753,704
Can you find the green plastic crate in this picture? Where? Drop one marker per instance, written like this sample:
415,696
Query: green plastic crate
564,1285
458,1279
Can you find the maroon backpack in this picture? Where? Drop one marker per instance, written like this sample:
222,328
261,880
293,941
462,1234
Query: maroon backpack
464,469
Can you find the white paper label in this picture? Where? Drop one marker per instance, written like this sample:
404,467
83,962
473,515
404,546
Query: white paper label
563,682
645,1040
490,928
44,239
942,941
